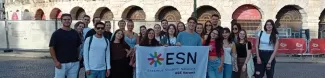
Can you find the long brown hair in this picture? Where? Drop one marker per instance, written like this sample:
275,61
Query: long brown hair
274,32
245,39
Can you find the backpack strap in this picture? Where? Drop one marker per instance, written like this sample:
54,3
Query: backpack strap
90,41
105,52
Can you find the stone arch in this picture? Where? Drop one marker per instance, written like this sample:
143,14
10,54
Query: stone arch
55,13
248,16
205,12
321,25
290,17
40,15
27,15
134,13
169,13
104,13
77,13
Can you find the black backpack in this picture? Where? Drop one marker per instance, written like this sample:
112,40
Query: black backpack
91,39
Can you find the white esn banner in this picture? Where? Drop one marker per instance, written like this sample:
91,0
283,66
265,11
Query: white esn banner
171,62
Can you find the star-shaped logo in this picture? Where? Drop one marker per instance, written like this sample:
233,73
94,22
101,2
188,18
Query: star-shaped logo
155,59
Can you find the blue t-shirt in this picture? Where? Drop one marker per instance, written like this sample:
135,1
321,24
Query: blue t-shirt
189,39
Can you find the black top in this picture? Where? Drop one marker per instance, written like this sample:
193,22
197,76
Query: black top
93,32
118,50
66,45
241,49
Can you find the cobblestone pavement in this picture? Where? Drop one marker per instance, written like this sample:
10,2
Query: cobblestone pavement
14,67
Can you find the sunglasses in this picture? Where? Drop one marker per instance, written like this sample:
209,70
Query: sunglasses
98,28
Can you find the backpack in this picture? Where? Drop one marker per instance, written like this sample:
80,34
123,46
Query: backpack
91,39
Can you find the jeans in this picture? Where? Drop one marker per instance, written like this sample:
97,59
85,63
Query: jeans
261,68
227,71
213,69
97,74
68,70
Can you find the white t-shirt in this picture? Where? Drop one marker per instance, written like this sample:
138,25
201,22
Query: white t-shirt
265,41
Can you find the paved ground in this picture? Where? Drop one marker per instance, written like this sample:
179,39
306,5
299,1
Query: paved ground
17,67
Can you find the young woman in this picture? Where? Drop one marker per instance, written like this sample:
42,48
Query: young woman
149,39
234,31
199,29
143,30
207,28
170,39
79,26
216,58
157,28
243,48
130,36
229,53
120,52
267,44
180,27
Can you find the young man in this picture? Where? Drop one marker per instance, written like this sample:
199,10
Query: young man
64,49
189,37
121,25
86,20
97,54
164,24
107,32
92,31
214,20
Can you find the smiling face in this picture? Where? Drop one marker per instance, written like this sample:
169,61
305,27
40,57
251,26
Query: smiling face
100,29
66,21
214,34
199,29
242,35
151,35
225,34
107,26
143,30
208,26
130,25
214,20
181,27
164,24
80,27
121,25
157,28
119,35
171,30
269,26
191,24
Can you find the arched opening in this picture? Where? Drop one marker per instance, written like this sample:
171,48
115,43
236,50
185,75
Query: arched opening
55,14
27,15
169,13
104,13
204,13
39,15
321,28
77,13
249,17
134,13
290,18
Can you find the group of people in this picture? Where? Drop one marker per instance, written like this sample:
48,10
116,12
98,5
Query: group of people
104,54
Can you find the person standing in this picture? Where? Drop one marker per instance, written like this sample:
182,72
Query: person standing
244,60
64,49
97,54
92,31
107,32
215,22
216,54
267,44
180,27
164,24
170,39
121,24
120,56
86,20
157,29
235,28
229,54
189,37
